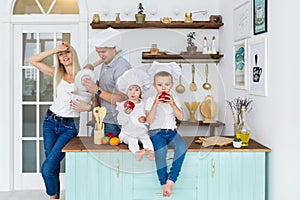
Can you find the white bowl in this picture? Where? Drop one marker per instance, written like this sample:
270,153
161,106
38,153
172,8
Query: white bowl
84,96
237,144
81,75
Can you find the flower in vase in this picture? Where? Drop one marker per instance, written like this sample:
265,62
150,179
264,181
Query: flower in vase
238,106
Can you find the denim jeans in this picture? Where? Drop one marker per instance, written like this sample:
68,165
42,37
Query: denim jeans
161,138
57,133
110,128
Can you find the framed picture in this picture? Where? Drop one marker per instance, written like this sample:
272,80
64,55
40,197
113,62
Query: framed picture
258,66
240,65
260,16
242,21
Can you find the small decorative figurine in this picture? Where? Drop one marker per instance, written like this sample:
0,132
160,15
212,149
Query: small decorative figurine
205,47
118,20
213,45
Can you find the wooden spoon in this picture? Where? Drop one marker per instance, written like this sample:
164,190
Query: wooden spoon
180,88
193,85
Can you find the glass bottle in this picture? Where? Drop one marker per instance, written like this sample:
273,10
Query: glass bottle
242,130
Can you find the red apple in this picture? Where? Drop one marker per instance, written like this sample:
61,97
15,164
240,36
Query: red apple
164,96
129,104
110,135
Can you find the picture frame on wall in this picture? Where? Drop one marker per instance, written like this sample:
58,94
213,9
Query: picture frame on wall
257,52
240,56
260,16
242,21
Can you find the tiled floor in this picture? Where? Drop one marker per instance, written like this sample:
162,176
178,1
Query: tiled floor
26,195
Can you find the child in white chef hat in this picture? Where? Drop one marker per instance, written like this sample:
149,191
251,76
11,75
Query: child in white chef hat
134,83
161,114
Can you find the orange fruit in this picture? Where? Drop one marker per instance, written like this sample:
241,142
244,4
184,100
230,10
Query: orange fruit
115,141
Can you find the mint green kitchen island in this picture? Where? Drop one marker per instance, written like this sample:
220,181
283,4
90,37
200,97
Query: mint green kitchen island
96,172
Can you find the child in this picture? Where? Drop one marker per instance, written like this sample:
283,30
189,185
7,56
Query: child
161,114
133,83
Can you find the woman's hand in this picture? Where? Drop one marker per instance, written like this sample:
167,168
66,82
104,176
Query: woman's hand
62,47
80,106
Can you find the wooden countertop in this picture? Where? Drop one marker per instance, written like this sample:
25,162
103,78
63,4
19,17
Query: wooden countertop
86,144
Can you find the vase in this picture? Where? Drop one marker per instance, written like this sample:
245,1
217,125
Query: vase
192,109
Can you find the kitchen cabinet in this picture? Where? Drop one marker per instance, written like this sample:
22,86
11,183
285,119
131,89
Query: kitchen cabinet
218,173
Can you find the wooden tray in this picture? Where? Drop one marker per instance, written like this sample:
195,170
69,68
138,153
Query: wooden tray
214,141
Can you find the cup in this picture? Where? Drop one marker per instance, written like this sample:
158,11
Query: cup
257,71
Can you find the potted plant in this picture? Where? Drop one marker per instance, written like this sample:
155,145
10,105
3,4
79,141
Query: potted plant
237,142
191,48
140,16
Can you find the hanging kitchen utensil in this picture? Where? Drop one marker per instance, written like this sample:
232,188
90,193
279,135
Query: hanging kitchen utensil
206,85
193,85
180,88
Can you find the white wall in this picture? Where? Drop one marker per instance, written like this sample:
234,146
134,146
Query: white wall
273,118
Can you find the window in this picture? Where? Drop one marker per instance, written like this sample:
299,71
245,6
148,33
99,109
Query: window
45,7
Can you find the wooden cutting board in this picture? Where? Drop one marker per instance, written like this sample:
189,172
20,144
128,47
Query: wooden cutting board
214,141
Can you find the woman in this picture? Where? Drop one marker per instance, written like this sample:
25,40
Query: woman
61,122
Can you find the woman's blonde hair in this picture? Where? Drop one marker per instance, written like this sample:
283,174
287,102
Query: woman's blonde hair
60,69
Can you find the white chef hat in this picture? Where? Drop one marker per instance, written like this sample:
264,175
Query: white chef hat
107,38
171,67
134,77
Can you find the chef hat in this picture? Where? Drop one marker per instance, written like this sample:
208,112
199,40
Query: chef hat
171,67
108,38
134,77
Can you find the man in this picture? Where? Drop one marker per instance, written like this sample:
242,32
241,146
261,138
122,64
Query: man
114,65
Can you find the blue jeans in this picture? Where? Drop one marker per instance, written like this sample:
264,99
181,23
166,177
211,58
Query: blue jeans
161,138
57,133
110,128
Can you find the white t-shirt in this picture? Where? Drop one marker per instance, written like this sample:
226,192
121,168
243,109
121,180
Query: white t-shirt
130,122
61,105
164,116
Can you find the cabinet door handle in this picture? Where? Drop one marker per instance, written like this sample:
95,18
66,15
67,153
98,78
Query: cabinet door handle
118,168
160,194
169,158
212,167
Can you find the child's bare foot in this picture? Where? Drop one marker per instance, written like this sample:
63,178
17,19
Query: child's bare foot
164,190
169,188
139,154
54,197
150,155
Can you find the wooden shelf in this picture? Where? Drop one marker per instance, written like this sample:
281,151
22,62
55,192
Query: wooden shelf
181,58
212,125
157,24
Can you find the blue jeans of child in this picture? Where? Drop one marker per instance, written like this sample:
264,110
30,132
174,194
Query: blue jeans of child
57,133
161,138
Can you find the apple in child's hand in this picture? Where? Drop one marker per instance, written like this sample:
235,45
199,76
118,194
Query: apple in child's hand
129,104
164,96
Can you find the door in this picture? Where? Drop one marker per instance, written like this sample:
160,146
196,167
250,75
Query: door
33,94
